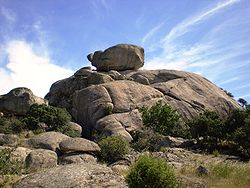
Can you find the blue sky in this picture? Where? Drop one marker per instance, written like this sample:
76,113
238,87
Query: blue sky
44,41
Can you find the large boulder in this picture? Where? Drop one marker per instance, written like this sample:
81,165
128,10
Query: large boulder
18,101
119,57
47,140
120,124
95,102
41,158
85,175
78,144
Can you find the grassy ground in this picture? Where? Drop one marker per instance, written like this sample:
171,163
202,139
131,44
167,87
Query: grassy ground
222,175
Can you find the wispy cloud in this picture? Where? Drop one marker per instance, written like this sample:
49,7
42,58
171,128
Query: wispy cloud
244,86
229,80
186,25
151,32
8,14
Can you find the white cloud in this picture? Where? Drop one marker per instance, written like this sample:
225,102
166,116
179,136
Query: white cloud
25,68
186,25
151,33
8,15
229,81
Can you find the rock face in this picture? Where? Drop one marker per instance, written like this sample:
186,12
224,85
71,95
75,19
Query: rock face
120,57
41,158
78,144
108,102
77,157
18,101
47,140
84,175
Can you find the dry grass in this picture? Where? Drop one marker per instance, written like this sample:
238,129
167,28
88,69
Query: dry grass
222,175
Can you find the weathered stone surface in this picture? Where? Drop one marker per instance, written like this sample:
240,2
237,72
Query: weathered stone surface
169,141
47,140
18,101
119,57
41,158
98,78
189,93
8,140
76,157
78,144
85,175
89,105
20,153
93,103
76,127
61,92
120,124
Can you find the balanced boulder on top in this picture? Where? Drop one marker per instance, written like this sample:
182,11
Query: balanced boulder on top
120,57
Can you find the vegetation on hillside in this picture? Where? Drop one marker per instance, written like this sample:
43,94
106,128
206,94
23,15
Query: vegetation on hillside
39,118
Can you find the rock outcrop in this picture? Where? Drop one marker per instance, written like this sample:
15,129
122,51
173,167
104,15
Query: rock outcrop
85,175
108,102
78,144
47,140
41,158
18,101
120,57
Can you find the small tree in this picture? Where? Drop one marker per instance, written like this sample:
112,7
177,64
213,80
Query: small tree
151,172
163,119
55,118
113,148
243,102
208,125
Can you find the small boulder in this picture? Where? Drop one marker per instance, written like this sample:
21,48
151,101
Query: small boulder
201,170
98,78
8,140
76,127
169,141
20,153
78,144
120,57
70,158
47,140
41,158
18,101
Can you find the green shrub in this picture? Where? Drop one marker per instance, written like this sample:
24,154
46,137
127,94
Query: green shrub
113,148
11,125
8,165
208,125
67,130
151,172
146,140
163,119
55,118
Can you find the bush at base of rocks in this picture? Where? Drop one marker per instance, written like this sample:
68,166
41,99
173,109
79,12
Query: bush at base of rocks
163,119
113,148
151,172
53,117
9,165
146,140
